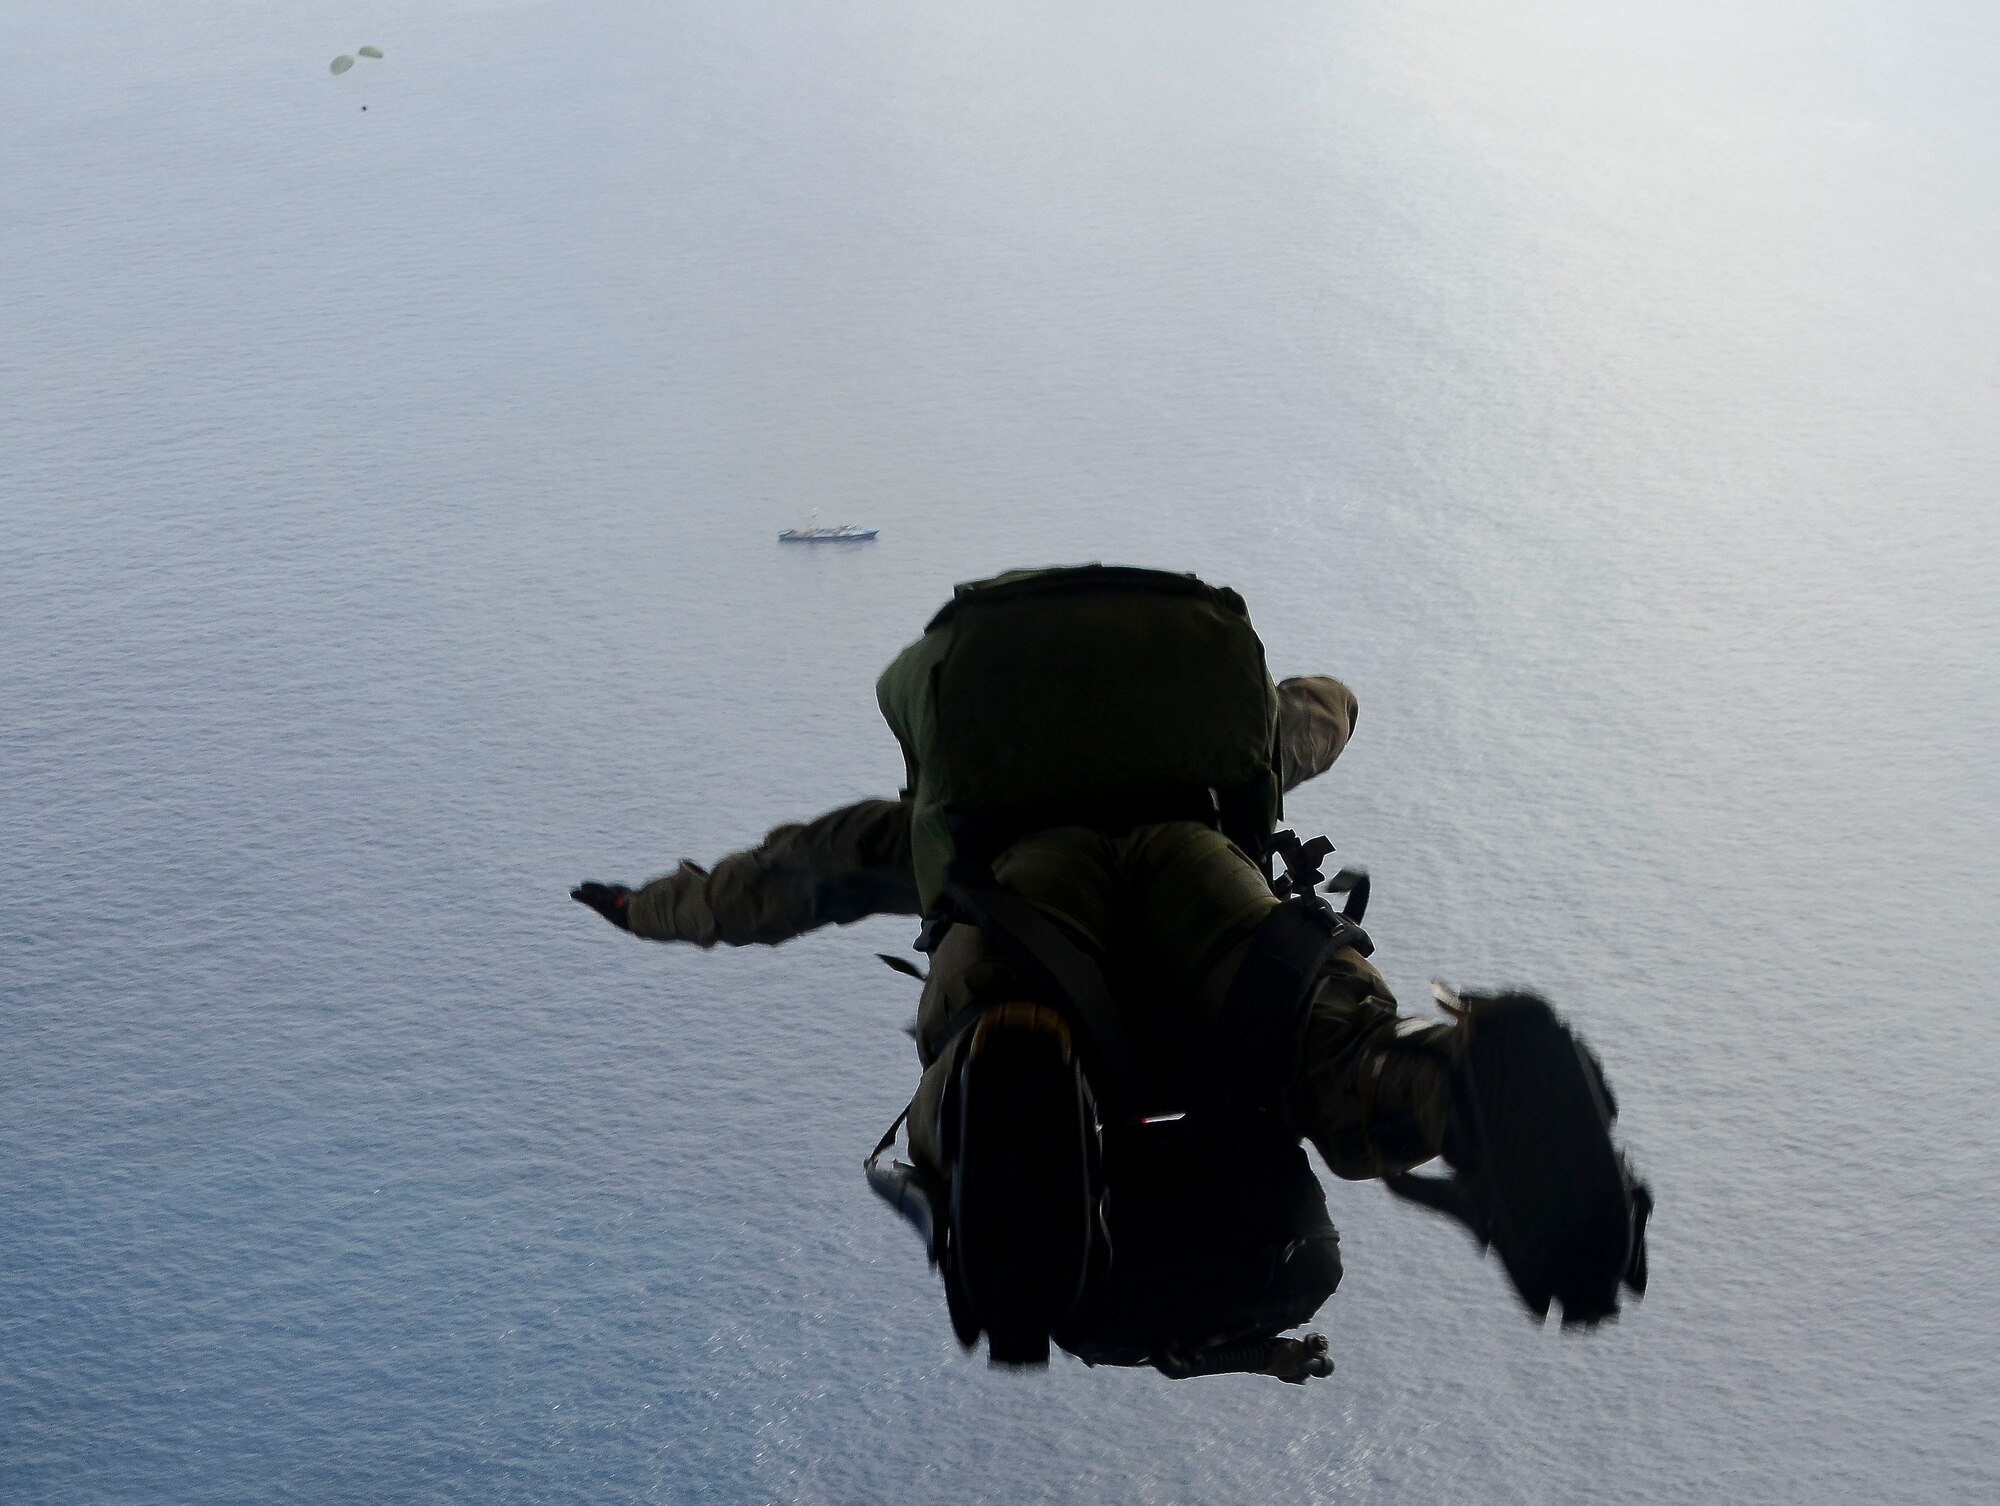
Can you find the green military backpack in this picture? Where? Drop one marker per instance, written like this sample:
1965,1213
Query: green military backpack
1095,695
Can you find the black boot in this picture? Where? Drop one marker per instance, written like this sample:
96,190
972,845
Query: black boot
1536,1174
1022,1205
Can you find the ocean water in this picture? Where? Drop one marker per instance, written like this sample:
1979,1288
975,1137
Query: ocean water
1610,393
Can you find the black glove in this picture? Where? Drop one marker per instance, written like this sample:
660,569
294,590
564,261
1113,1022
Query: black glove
612,901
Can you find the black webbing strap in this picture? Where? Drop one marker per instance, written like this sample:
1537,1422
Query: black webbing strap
1072,983
1261,1014
888,1139
907,1190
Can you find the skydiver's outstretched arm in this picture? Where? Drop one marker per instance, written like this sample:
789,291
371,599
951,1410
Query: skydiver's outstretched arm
848,864
855,861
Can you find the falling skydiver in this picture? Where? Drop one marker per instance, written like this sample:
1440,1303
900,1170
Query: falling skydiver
1138,1003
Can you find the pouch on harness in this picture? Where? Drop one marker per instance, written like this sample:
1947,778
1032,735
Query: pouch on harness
1115,698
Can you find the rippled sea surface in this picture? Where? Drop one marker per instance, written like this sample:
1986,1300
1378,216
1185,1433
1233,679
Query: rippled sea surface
1609,392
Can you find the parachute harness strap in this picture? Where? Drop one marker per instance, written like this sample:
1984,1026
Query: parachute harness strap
1070,981
907,1190
888,1139
1302,877
1302,859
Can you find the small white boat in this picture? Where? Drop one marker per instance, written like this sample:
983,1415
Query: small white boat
839,533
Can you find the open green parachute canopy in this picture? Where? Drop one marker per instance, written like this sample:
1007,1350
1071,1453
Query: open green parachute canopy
369,52
340,64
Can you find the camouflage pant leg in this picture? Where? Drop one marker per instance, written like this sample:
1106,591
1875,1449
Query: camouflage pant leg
1071,873
1197,901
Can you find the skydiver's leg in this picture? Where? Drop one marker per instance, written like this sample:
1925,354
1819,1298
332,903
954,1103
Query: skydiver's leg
1535,1168
1068,872
1368,1109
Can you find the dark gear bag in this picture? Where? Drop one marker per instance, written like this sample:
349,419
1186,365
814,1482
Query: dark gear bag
1089,695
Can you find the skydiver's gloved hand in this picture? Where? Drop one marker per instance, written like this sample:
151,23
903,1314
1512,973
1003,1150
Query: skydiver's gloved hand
612,901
